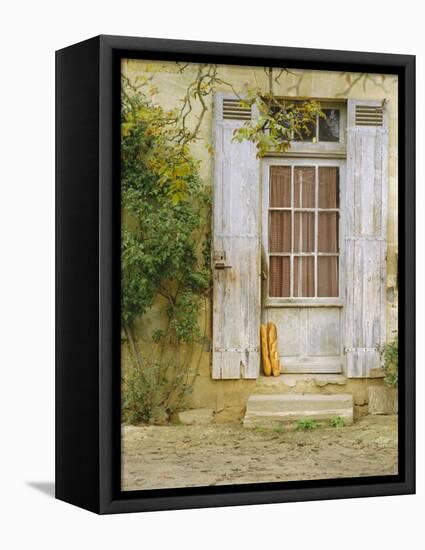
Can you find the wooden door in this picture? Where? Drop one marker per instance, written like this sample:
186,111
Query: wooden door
366,235
236,246
302,261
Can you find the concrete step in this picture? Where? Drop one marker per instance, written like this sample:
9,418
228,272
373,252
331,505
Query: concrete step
270,410
304,383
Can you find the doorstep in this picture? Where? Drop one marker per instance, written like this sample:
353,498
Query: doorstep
287,381
268,411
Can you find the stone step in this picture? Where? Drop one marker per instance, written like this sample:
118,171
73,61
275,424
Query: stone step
270,410
290,383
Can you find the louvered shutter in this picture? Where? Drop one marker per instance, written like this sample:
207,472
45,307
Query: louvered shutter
366,230
236,246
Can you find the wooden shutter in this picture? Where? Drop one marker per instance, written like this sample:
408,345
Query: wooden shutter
366,235
236,246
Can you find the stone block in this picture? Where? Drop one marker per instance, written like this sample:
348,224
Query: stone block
272,409
196,417
382,400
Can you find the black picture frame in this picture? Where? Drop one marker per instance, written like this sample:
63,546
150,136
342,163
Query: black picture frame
88,274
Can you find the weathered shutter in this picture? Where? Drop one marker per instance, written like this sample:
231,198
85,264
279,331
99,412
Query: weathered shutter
236,246
366,230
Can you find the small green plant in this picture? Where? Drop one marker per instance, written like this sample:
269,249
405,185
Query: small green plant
389,357
259,429
337,422
306,424
153,392
279,429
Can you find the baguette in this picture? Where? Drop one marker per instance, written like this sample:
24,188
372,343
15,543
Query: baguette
267,366
273,350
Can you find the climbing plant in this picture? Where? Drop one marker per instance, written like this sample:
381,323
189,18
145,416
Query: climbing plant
276,123
164,255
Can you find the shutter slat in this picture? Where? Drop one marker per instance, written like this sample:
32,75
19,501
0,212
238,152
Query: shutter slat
234,110
369,115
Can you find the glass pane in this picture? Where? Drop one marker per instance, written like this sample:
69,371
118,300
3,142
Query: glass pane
306,134
328,187
280,231
329,126
327,274
304,276
305,131
279,276
280,186
304,186
328,232
304,232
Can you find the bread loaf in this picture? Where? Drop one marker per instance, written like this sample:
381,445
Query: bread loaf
273,349
267,366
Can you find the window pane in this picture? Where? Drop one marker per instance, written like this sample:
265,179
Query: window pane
306,134
304,276
328,187
280,231
279,276
329,126
303,134
304,232
304,187
328,232
280,186
327,274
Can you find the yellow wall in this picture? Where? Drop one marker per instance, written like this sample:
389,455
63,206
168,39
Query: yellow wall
228,397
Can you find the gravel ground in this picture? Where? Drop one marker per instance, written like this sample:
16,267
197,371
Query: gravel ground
221,454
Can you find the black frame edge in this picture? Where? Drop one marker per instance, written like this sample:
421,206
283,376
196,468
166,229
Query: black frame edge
77,281
112,47
407,268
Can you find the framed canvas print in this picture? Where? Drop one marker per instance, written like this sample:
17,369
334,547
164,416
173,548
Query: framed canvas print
235,274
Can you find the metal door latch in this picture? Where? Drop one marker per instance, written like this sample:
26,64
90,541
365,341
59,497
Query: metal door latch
220,260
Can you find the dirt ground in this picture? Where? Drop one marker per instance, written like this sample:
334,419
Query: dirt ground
221,454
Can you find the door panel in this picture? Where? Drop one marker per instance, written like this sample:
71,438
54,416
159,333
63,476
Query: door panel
288,322
302,255
309,339
366,236
236,239
324,334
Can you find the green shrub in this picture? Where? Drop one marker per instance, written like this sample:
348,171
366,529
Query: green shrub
389,355
152,392
337,422
306,424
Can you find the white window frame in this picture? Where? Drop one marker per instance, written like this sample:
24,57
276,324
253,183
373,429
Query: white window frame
323,149
265,177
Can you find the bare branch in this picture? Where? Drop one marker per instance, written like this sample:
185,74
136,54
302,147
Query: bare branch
362,78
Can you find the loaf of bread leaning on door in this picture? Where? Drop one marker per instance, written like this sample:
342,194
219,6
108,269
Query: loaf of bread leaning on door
269,349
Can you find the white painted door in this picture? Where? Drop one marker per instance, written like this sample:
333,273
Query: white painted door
302,261
236,247
366,235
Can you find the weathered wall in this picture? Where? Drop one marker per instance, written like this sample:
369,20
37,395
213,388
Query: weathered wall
228,397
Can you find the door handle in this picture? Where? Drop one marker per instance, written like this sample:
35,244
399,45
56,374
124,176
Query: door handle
220,260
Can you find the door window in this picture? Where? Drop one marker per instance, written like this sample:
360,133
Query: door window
303,231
